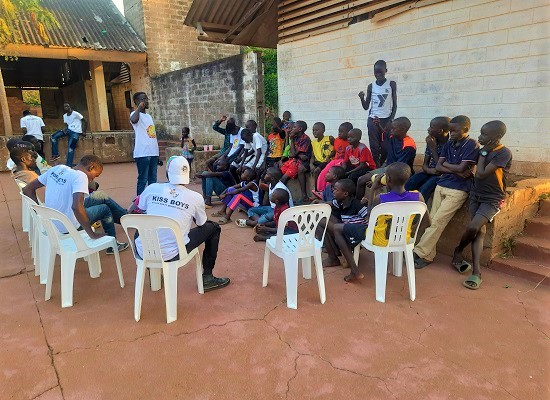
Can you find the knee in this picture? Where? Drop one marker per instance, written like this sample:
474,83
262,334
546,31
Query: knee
362,180
472,230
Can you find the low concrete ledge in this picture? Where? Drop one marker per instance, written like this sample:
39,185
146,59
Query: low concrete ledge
199,162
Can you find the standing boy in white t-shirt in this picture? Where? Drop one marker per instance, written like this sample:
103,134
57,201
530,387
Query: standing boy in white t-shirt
75,125
381,101
34,125
185,206
146,147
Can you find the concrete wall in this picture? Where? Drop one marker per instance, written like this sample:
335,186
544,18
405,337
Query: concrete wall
482,58
121,113
197,96
170,44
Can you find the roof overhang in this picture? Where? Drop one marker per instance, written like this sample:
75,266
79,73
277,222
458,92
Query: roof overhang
70,53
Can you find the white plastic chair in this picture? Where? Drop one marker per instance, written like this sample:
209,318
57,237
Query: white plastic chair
398,243
302,245
39,239
148,227
25,215
70,247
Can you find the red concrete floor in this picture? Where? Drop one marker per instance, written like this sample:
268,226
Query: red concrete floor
242,342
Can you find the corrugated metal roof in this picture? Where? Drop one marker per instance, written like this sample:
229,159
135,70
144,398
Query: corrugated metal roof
86,24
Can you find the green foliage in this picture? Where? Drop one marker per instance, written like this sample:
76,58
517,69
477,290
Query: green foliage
31,97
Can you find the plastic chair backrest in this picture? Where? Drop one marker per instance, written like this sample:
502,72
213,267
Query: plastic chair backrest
307,219
20,183
48,216
148,227
401,213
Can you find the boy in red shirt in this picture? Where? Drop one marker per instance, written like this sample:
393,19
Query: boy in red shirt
357,158
299,158
264,231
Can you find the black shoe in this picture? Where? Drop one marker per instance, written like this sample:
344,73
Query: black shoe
121,247
420,263
210,282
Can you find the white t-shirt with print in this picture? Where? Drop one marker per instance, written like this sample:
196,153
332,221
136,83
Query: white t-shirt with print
61,183
236,140
74,121
280,185
258,142
146,144
176,202
34,126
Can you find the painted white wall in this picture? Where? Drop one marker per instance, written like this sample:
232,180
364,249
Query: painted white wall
481,58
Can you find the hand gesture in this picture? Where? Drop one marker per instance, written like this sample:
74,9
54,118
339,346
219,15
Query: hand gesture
490,146
223,118
430,141
141,106
361,94
376,120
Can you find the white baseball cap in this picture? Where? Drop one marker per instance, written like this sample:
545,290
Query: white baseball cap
178,170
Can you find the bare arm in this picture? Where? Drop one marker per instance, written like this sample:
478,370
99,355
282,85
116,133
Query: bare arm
483,171
30,190
393,85
24,130
84,126
365,101
426,167
82,217
458,168
134,118
441,168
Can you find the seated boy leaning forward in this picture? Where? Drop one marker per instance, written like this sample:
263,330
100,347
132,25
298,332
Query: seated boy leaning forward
255,147
67,191
280,198
486,197
217,181
265,214
399,147
25,164
346,210
173,199
322,149
299,157
456,163
426,180
333,175
358,158
348,236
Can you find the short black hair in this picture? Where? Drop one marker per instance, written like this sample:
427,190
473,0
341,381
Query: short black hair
275,172
405,121
356,131
462,120
302,125
287,112
26,112
347,185
282,195
253,123
338,172
277,120
185,129
496,127
381,63
248,169
320,124
398,173
442,121
136,95
346,126
11,143
29,138
246,131
17,153
90,159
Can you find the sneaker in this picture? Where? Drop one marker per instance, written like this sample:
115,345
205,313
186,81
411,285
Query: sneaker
55,158
420,263
210,282
121,247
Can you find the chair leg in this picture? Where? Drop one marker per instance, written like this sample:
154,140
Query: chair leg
320,276
306,267
138,294
68,263
44,258
266,266
398,263
380,272
49,275
118,266
409,263
94,263
198,269
356,251
291,277
36,250
171,292
154,275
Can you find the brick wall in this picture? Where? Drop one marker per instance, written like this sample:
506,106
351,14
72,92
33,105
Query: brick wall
197,96
121,113
485,59
170,44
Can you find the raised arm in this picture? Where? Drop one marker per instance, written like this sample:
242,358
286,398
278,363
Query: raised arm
365,101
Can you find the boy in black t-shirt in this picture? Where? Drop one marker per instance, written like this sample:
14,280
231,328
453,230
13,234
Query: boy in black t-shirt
486,197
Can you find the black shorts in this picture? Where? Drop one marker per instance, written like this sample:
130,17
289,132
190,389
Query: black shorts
354,233
488,209
270,162
319,164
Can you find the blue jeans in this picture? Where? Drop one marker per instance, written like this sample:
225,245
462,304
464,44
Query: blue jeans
212,185
147,172
73,141
100,207
424,183
264,212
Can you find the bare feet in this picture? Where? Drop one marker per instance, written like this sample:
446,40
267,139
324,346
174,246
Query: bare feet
354,277
328,262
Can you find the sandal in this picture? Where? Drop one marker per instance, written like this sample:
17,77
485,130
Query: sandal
473,282
462,266
241,223
223,221
218,214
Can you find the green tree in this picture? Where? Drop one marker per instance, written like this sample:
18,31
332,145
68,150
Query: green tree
10,11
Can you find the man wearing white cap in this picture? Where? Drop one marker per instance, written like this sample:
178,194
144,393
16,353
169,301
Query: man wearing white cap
176,201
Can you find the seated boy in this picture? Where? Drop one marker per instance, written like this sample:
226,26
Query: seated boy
426,181
280,198
456,163
255,147
399,147
348,236
337,155
333,175
346,209
299,157
25,164
486,197
275,144
322,148
217,181
357,158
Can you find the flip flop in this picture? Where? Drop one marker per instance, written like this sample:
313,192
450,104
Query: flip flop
223,221
462,266
241,223
472,282
218,214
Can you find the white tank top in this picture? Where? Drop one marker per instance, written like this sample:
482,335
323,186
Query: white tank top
381,102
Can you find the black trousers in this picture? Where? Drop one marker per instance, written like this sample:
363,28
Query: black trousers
358,174
375,139
39,147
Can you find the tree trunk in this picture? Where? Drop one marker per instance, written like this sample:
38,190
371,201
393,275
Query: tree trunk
4,106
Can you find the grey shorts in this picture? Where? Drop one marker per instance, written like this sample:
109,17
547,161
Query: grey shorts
486,209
